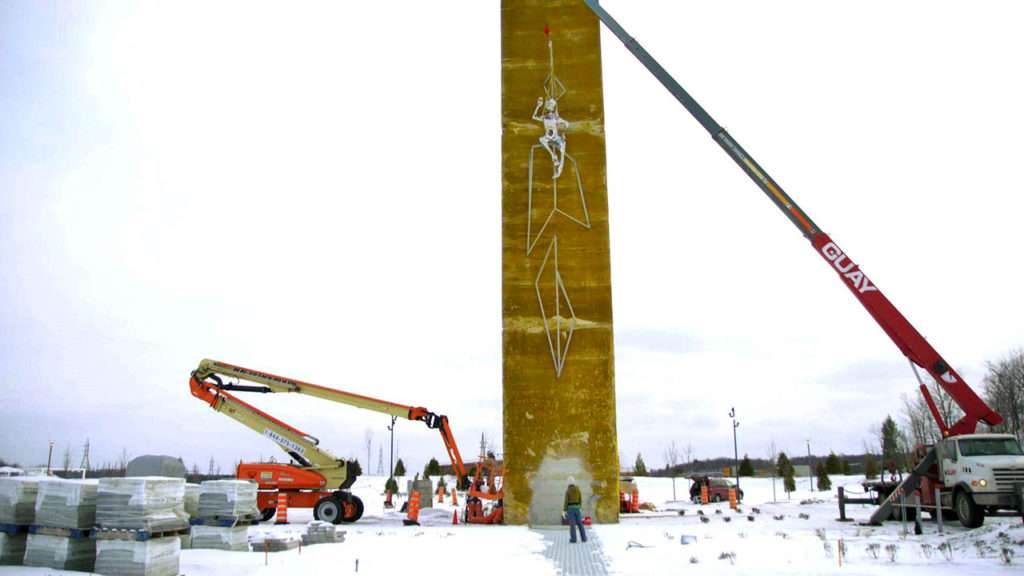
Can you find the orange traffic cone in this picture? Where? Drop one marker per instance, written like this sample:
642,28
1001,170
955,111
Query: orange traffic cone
282,508
455,500
413,515
455,517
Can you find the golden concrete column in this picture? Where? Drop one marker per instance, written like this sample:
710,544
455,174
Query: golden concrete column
558,364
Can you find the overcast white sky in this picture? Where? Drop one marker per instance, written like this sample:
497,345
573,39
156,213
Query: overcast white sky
315,192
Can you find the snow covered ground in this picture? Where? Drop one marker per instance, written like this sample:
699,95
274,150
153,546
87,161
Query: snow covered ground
646,543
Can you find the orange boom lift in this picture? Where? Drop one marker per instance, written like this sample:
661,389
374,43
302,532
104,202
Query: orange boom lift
316,478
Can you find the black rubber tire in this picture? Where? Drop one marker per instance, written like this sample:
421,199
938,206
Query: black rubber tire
267,514
328,509
716,498
969,513
357,512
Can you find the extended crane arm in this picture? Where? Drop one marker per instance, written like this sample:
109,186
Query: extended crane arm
910,342
207,383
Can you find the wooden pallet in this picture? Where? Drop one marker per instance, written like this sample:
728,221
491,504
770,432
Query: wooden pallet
63,532
14,528
136,535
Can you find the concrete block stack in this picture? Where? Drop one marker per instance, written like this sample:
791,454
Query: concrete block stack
156,557
192,500
148,503
228,499
233,538
226,509
425,486
318,532
65,512
17,512
139,523
274,543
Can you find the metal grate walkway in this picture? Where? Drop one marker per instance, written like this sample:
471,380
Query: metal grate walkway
580,559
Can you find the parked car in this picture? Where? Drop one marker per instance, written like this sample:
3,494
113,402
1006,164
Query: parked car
718,489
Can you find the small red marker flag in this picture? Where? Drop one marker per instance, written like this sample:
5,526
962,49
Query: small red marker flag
547,31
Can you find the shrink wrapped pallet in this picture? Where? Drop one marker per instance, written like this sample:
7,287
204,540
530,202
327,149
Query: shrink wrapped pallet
66,503
227,499
156,557
18,500
12,549
234,538
60,552
191,501
274,543
151,503
318,532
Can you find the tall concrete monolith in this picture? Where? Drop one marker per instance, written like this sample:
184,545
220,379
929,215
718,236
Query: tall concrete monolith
558,365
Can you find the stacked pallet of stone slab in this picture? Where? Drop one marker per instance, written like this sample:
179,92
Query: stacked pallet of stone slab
191,501
139,523
17,512
226,509
318,532
228,500
65,512
274,542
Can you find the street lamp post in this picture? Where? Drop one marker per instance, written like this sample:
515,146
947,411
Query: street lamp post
735,448
49,458
391,428
810,469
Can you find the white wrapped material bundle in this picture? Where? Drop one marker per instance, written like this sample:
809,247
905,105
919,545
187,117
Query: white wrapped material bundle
60,553
66,503
192,500
221,538
227,499
12,549
274,543
319,532
156,557
151,503
18,500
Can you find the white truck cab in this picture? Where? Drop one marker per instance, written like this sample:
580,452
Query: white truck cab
983,473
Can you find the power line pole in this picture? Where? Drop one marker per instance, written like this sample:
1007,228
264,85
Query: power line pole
735,448
391,428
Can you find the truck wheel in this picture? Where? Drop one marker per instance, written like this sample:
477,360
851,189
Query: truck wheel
328,509
353,510
267,514
969,513
716,498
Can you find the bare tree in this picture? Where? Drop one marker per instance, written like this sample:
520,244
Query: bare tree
1004,391
688,451
773,456
67,458
672,457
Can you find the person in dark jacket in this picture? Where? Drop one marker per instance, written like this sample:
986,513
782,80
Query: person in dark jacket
573,510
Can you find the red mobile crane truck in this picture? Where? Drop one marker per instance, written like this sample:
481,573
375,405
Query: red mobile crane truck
974,474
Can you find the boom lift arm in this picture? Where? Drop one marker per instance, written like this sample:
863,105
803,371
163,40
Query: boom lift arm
207,383
910,342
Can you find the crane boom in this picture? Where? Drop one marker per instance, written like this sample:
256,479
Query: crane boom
910,342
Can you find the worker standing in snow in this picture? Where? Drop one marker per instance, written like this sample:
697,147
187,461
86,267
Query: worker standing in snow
573,511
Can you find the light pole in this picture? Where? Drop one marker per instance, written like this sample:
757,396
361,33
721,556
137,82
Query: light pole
735,449
810,469
391,469
49,458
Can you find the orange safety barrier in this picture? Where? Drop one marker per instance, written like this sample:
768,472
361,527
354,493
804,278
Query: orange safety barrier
634,504
440,494
732,498
282,508
387,500
704,494
455,500
413,516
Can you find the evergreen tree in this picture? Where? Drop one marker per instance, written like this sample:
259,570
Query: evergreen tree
399,468
890,443
832,464
821,470
844,467
433,468
784,468
639,468
391,485
870,467
746,466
